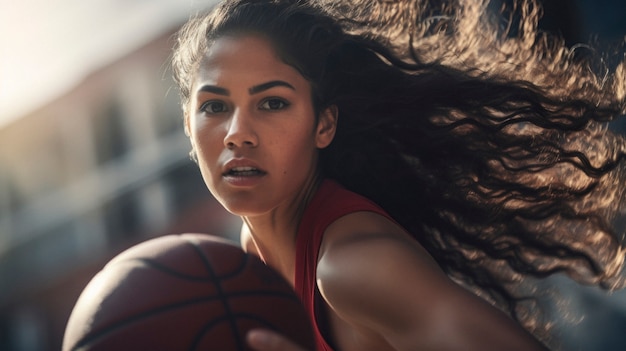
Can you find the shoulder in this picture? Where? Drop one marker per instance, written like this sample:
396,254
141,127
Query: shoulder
364,255
369,232
375,277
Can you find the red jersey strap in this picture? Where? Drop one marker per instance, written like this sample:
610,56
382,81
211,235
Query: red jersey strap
330,203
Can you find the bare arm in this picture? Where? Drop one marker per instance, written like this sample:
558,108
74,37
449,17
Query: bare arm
376,278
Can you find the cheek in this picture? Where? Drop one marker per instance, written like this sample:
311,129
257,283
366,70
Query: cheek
298,152
206,133
207,143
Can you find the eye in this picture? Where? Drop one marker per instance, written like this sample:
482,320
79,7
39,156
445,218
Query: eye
213,107
274,104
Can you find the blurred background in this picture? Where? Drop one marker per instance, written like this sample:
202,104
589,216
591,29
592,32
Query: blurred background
93,157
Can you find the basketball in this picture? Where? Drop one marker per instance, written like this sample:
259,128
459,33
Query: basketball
184,292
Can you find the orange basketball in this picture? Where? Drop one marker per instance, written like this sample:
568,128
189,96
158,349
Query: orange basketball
184,292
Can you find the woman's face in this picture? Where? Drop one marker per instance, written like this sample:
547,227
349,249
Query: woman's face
252,125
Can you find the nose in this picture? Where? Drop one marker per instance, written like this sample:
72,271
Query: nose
240,131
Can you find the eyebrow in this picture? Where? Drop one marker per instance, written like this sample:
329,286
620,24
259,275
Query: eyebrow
253,90
265,86
215,90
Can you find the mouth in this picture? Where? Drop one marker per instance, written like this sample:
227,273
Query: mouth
243,172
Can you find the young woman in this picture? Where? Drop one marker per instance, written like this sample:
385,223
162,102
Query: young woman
411,170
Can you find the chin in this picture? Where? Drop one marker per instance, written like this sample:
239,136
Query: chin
245,209
245,203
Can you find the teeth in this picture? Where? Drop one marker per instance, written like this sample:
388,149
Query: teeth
243,169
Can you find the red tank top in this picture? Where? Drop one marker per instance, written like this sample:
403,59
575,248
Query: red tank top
331,202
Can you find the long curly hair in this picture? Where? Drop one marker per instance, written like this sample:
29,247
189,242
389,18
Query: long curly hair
484,137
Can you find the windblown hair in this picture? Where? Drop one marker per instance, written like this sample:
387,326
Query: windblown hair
487,141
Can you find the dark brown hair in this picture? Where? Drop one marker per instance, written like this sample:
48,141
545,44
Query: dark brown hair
487,142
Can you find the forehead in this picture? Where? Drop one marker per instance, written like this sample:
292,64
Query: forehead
244,59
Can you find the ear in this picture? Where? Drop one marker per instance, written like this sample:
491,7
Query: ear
192,153
326,126
186,120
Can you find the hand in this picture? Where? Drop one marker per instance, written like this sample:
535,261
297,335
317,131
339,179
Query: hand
267,340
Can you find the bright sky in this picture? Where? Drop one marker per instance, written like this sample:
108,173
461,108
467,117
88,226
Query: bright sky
47,46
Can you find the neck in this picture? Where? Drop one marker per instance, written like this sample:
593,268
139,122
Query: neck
274,233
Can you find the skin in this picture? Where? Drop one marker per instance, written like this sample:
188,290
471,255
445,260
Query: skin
273,129
230,119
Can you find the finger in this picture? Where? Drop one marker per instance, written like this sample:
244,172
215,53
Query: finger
267,340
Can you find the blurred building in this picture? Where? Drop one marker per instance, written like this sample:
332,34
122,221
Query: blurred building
106,165
100,168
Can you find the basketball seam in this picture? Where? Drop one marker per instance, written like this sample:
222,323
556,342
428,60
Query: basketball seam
88,341
221,295
155,264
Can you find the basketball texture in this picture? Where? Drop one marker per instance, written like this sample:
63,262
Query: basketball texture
184,292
